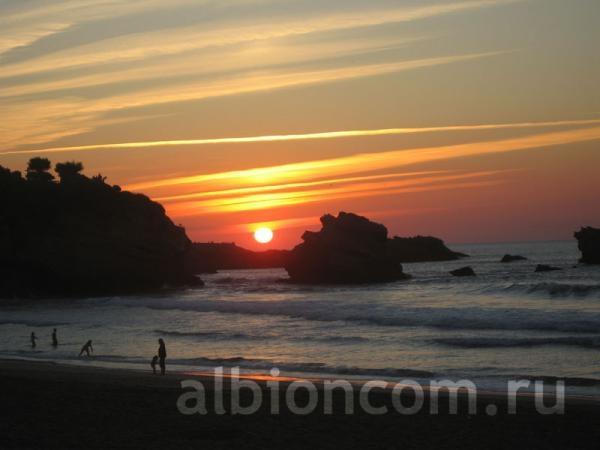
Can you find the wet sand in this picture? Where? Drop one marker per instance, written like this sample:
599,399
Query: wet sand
46,405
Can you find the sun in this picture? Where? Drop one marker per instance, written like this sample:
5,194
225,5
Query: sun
263,235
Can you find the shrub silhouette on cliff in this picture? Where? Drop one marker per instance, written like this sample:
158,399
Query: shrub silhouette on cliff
69,171
82,236
37,170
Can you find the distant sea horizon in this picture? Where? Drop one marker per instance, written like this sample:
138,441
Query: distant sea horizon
448,243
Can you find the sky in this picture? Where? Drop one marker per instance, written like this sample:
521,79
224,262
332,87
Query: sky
470,120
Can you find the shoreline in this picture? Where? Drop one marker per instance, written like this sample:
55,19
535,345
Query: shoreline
34,369
261,375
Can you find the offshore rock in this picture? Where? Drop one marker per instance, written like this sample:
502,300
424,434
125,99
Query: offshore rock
421,249
348,249
588,239
546,268
511,258
463,272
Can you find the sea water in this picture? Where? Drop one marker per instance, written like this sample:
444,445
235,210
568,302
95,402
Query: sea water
508,322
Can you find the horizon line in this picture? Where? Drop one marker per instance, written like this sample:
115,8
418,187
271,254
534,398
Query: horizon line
445,242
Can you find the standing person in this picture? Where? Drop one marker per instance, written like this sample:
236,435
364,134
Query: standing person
162,355
54,338
86,348
153,364
33,339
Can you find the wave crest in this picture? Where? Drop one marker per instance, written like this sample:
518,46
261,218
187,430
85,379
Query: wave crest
483,342
552,289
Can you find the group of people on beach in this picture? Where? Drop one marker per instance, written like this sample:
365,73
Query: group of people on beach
34,338
158,359
87,347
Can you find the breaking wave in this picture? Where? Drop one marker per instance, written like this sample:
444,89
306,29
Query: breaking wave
551,289
484,342
472,318
225,336
34,323
216,335
314,367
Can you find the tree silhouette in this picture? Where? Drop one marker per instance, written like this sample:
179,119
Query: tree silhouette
68,171
99,179
8,176
37,170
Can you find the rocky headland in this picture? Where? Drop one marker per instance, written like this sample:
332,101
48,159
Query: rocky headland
77,235
209,257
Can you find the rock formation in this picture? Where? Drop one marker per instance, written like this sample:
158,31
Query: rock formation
510,258
209,257
546,268
588,239
421,249
348,249
81,236
463,272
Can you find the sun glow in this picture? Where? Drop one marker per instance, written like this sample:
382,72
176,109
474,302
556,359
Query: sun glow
263,235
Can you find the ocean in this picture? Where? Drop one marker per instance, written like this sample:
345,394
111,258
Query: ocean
506,323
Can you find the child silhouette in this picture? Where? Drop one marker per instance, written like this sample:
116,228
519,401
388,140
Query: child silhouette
153,364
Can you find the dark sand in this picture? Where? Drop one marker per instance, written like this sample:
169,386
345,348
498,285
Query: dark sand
56,406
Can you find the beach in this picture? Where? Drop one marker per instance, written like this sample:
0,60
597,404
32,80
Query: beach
46,405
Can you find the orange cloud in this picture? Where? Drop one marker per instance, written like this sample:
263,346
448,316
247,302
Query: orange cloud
355,190
288,186
334,167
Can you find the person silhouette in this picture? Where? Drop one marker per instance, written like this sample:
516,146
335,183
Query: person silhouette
86,348
33,339
54,338
153,364
162,356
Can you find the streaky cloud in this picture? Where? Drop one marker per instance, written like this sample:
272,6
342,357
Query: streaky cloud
53,113
277,200
289,186
142,46
364,162
305,136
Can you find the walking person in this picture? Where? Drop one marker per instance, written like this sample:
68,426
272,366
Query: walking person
54,338
33,339
87,348
162,356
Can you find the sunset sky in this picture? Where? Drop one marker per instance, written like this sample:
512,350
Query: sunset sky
475,121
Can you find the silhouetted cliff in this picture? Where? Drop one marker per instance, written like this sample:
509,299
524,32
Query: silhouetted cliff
347,249
588,239
210,257
81,236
